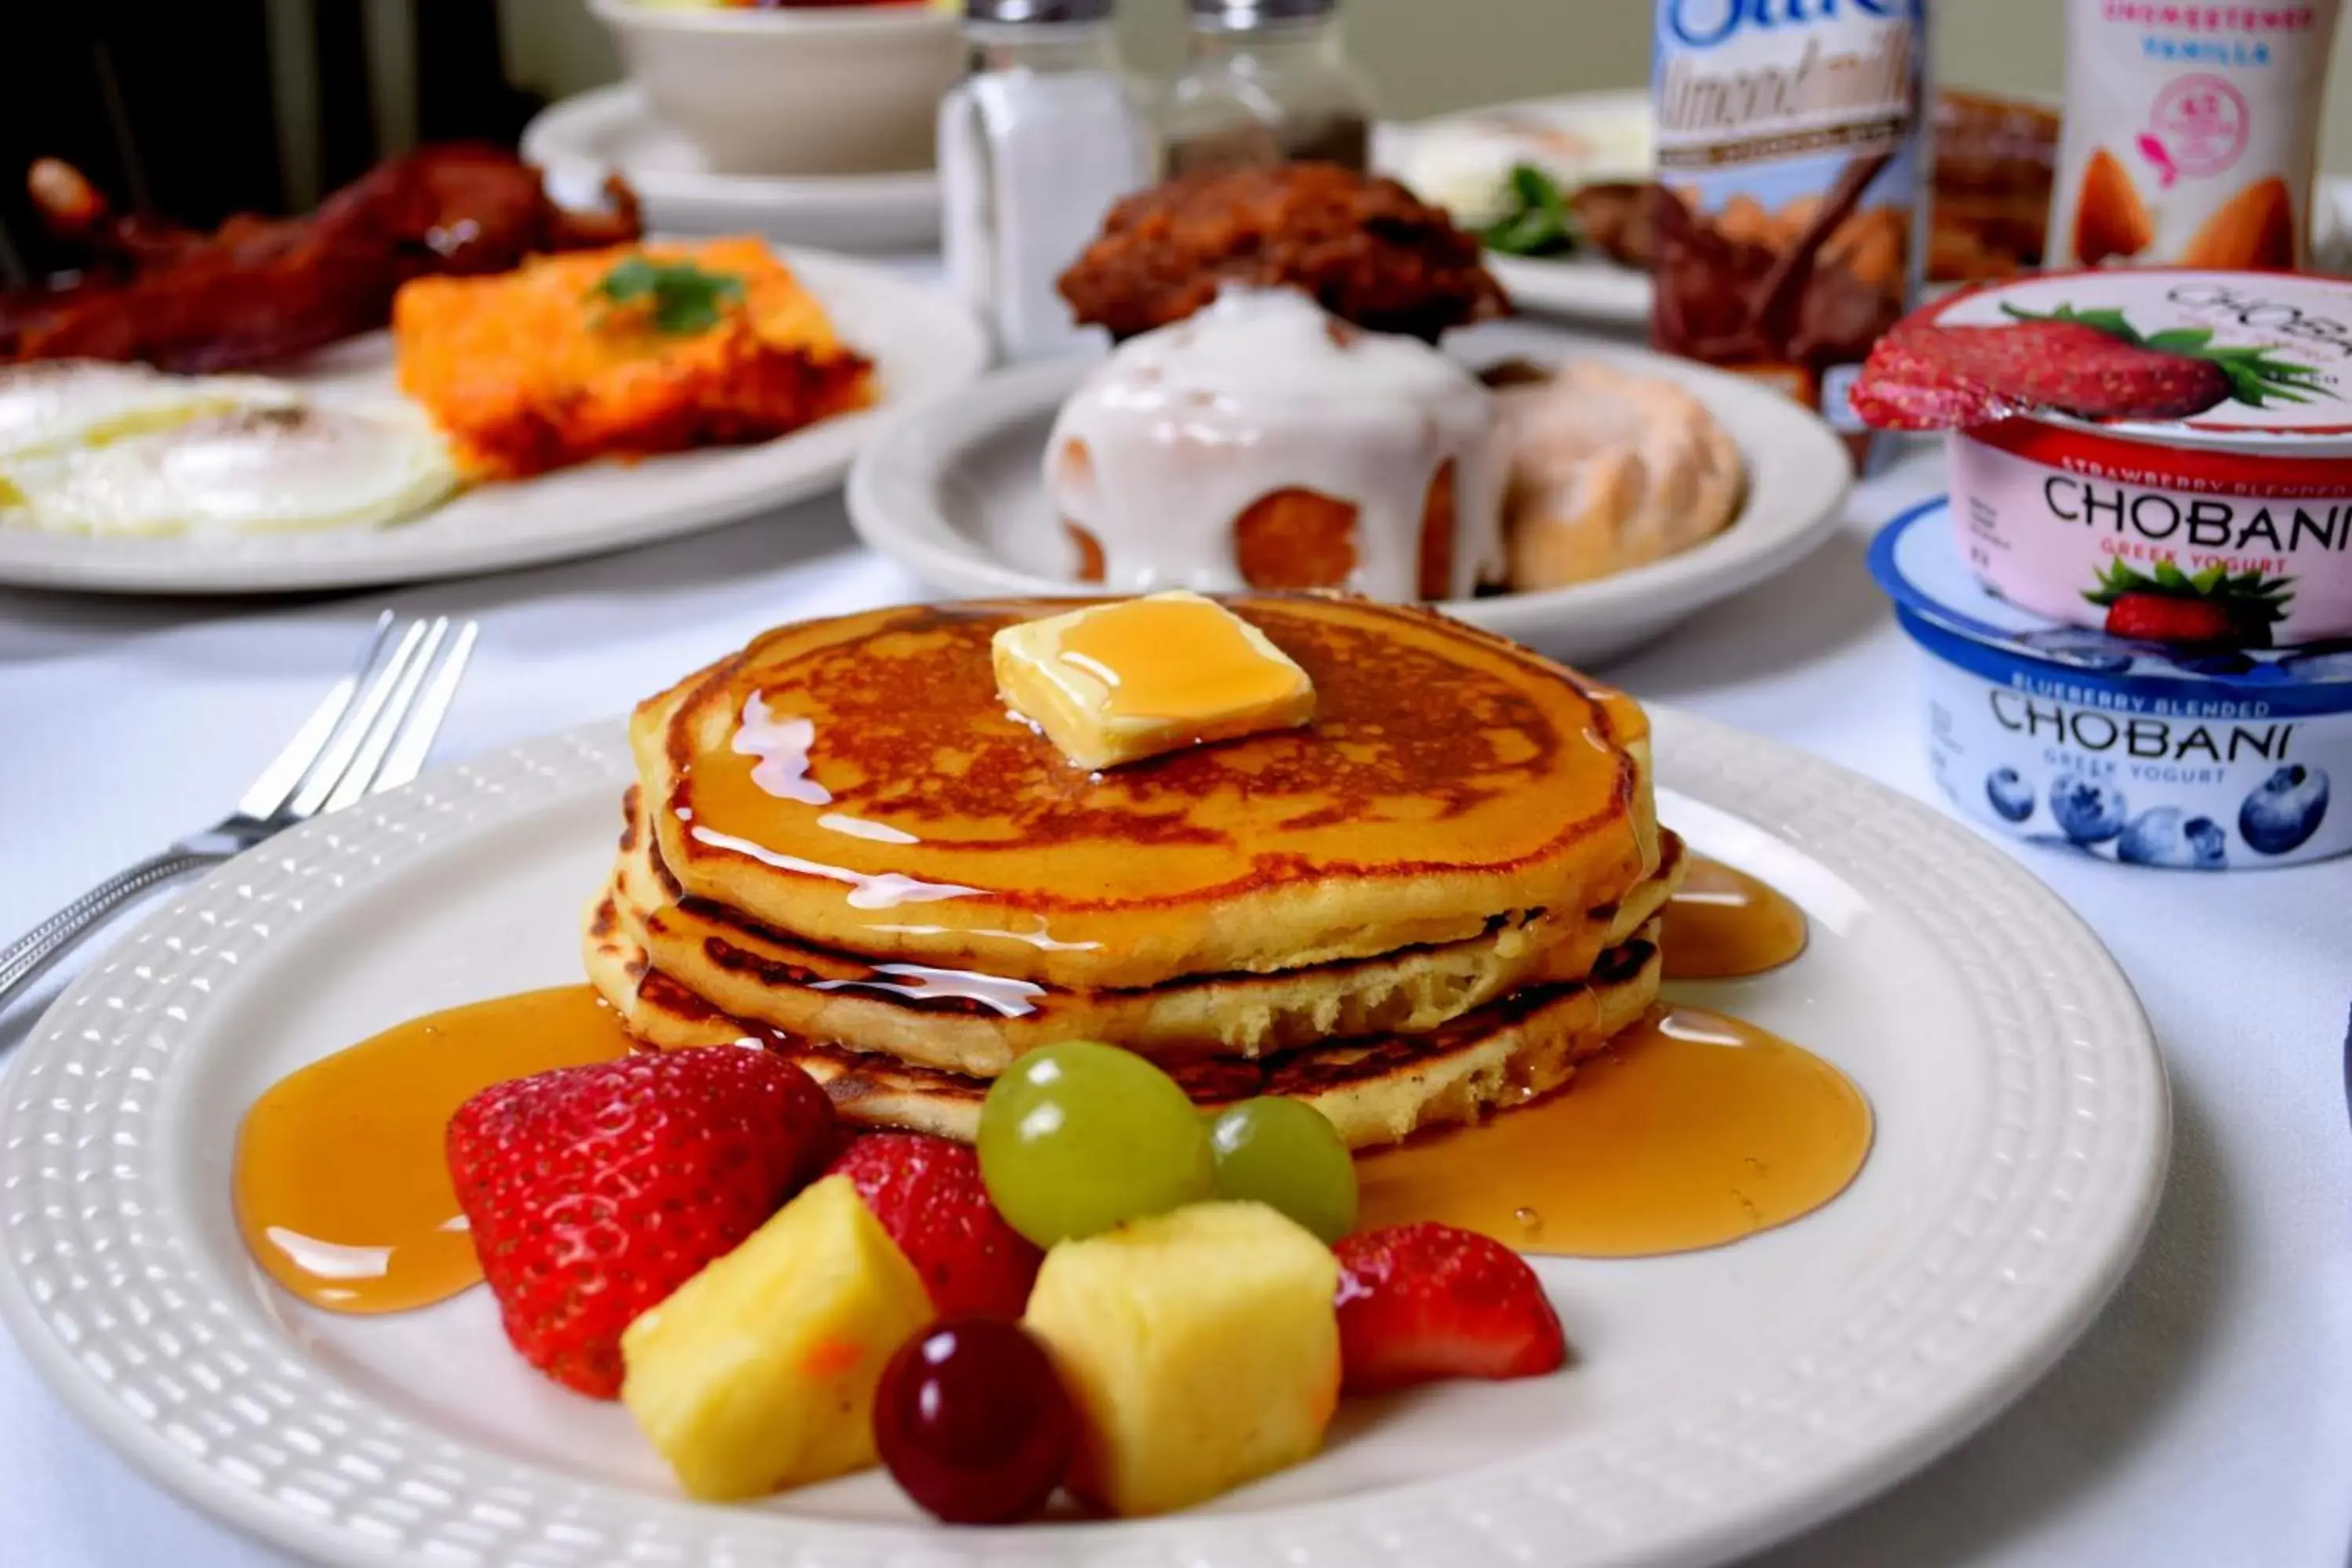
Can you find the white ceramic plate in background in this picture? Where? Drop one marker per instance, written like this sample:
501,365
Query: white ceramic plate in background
1718,1401
612,130
954,493
1582,136
922,343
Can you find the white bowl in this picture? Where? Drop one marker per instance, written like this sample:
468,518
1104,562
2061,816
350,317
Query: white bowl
845,90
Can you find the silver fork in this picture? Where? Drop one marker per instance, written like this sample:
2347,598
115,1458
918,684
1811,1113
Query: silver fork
372,732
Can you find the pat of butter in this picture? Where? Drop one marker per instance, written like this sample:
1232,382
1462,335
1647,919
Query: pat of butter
1117,683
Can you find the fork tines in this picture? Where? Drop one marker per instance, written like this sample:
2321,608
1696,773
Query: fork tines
375,727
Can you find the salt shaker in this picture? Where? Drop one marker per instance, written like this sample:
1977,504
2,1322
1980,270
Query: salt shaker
1267,82
1037,142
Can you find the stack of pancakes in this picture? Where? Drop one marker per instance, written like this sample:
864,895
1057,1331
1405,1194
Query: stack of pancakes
1433,901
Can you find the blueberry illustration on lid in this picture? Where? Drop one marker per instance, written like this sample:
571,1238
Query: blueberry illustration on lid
2010,794
2088,812
2172,837
2284,810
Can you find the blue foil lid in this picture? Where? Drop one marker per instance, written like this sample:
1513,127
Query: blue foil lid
1916,559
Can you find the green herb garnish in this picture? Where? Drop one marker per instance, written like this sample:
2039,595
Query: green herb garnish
680,298
1537,222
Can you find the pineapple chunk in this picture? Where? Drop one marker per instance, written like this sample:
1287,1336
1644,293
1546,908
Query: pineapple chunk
759,1373
1200,1347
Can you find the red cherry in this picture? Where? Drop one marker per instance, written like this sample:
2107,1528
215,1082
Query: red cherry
973,1421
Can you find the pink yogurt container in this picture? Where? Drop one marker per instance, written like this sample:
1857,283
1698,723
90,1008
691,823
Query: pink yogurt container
2159,454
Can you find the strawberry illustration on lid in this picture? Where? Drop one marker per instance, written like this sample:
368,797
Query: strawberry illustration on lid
2243,361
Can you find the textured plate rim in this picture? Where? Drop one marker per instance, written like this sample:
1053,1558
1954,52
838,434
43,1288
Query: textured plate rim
824,450
898,482
137,1335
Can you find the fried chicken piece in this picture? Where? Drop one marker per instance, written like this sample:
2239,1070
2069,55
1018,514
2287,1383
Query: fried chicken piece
1364,247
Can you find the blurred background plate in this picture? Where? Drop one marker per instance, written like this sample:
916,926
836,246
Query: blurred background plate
922,343
612,130
954,493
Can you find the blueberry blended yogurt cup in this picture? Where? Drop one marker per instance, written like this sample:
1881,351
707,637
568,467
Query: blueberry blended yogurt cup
2147,753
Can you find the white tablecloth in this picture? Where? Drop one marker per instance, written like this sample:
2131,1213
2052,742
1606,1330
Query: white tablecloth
2205,1420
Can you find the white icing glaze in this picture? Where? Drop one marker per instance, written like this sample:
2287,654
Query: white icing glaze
1007,998
868,890
783,747
858,827
1184,428
1044,942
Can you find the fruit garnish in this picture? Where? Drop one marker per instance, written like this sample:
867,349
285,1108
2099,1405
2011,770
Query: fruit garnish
2093,364
1079,1137
928,1194
1200,1349
678,297
595,1191
1421,1302
1284,1154
2211,606
759,1373
973,1423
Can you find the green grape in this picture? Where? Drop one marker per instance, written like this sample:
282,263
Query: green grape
1080,1137
1284,1154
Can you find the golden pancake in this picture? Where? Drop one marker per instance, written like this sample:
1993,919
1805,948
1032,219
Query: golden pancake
1375,1090
966,1022
857,786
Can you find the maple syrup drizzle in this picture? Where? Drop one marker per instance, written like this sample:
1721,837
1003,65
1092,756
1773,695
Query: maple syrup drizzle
1690,1129
1164,659
1723,924
341,1188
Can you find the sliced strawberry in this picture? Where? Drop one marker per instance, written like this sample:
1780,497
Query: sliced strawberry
1419,1302
593,1192
928,1194
2151,617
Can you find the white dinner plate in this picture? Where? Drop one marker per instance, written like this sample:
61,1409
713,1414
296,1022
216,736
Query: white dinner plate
922,343
612,130
1716,1401
1449,159
954,492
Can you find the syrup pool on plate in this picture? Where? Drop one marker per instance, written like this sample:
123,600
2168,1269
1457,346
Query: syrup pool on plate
1690,1129
1723,924
342,1190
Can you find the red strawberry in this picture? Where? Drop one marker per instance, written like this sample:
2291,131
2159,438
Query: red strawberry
2152,617
593,1192
928,1194
1419,1302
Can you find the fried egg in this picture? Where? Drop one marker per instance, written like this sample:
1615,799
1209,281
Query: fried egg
47,405
247,470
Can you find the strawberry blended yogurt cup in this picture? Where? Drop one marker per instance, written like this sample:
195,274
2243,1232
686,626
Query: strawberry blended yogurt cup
2162,455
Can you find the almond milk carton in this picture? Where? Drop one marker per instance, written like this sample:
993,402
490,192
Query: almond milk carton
2190,134
1791,208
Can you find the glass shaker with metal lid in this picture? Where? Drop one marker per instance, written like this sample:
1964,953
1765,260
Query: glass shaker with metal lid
1039,139
1267,82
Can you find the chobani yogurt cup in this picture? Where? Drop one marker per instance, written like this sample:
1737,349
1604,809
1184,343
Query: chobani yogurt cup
2146,752
2163,455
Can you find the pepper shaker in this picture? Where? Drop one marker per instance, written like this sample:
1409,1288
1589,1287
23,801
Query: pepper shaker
1267,82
